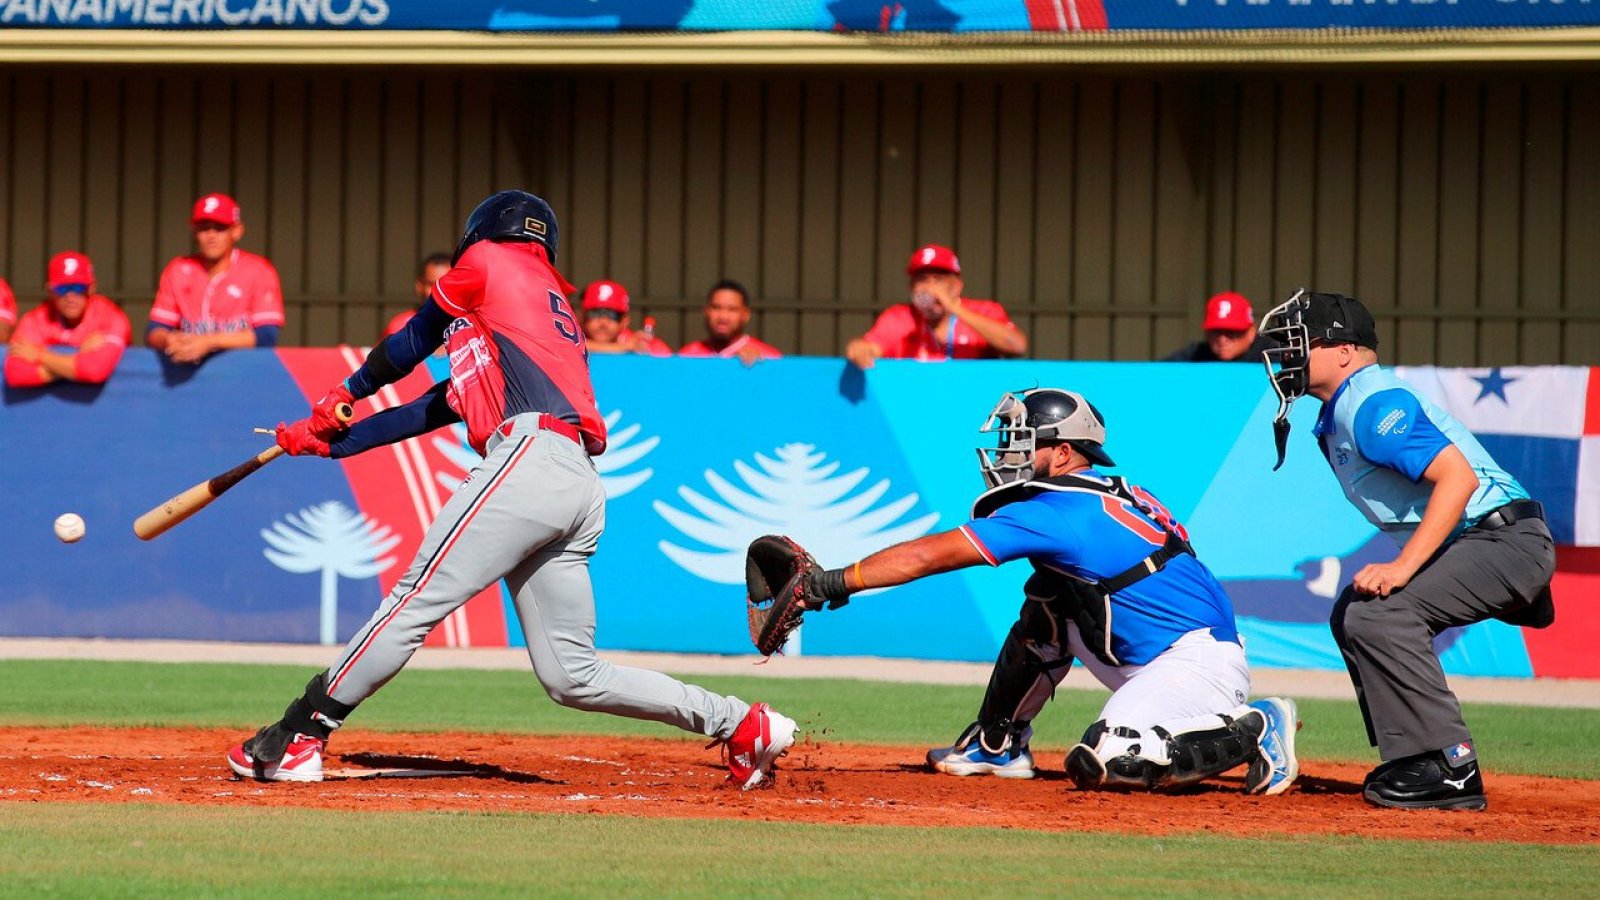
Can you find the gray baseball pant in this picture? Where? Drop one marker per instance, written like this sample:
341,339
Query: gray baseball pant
531,512
1387,642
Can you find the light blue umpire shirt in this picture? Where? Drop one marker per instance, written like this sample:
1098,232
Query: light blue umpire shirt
1379,435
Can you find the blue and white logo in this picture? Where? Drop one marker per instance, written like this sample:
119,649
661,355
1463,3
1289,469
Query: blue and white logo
794,492
335,541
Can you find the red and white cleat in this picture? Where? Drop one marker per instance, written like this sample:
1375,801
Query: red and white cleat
302,761
762,737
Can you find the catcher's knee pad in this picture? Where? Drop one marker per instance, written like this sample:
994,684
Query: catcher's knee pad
1023,680
1199,753
1115,757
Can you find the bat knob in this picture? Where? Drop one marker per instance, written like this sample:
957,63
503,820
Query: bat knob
345,412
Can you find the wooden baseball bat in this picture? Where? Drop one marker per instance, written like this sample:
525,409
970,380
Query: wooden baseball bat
158,521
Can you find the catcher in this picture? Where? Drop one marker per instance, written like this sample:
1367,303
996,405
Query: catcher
1115,585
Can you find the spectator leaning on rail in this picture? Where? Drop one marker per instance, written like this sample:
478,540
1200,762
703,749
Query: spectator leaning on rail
432,269
1231,335
606,320
219,297
938,322
75,335
727,316
8,311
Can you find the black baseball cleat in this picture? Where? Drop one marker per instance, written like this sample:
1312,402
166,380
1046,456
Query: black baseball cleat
1426,782
1381,770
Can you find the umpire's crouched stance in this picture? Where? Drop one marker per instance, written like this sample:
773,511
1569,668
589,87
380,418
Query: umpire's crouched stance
1473,546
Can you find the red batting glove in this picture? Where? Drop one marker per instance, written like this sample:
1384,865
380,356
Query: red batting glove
324,423
300,439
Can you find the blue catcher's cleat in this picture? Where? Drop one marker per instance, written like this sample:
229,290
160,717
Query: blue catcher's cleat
1277,767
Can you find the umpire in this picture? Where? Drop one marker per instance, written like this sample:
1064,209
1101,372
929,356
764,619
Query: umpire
1473,546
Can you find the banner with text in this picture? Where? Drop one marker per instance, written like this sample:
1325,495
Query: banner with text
931,16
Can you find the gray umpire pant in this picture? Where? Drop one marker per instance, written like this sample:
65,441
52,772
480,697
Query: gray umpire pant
1387,642
531,512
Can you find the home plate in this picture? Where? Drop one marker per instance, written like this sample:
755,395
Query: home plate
354,773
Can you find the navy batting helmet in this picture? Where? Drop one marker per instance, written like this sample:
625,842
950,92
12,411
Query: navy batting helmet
510,216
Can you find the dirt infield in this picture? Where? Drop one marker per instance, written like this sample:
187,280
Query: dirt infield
828,782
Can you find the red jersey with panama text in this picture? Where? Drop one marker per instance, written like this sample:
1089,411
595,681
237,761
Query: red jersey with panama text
901,333
244,297
515,346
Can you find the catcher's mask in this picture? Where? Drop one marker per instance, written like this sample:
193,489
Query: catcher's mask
1040,416
1303,318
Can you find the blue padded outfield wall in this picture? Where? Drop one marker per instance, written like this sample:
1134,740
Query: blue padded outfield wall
933,16
705,455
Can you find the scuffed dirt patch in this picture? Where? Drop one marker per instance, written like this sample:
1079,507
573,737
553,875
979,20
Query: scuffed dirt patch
817,782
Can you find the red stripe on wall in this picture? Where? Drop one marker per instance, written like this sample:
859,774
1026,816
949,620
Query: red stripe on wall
1591,409
1567,648
379,488
1066,15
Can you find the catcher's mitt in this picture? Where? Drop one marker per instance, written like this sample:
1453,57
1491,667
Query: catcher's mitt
778,589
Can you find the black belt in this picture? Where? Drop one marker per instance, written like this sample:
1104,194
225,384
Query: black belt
1510,514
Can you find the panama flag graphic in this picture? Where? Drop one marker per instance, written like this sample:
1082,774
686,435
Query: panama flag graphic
1541,424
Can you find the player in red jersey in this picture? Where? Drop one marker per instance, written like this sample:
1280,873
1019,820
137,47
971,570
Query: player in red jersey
94,328
606,323
532,512
8,311
727,316
219,297
938,323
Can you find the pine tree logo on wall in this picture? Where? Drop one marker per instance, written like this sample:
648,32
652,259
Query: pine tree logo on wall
796,494
332,539
621,452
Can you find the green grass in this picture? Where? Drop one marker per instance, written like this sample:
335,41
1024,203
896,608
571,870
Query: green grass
1524,740
91,850
117,850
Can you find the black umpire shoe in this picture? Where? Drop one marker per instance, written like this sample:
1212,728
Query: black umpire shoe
1383,769
1427,782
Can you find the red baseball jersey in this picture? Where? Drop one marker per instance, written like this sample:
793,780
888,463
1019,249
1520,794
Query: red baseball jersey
515,345
703,348
8,303
43,327
901,333
245,296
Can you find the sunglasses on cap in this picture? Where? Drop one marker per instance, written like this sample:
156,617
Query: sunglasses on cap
61,290
611,314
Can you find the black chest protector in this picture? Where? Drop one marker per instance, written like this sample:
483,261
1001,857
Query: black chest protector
1071,598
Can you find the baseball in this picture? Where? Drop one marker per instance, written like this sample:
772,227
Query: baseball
69,527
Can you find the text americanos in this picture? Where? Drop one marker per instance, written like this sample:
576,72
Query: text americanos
194,12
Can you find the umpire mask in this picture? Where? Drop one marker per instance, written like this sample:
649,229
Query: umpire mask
1303,319
1287,363
1042,415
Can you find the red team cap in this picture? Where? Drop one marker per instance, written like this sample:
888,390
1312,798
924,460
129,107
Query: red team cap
216,208
1228,311
935,258
70,267
605,295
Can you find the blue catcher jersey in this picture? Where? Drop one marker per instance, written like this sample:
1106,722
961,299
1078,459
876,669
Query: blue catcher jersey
1093,536
1379,435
